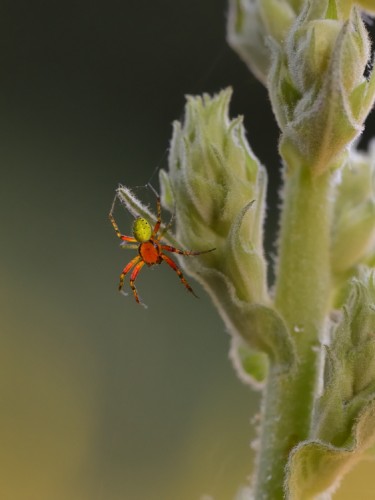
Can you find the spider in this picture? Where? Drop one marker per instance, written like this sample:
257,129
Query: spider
150,249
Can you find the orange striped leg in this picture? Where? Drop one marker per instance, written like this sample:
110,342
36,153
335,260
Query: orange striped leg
133,277
184,252
126,269
175,267
121,236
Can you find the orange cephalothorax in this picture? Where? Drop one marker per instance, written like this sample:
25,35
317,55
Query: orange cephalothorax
150,249
150,252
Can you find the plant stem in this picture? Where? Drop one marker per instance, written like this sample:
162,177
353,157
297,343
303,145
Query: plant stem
302,297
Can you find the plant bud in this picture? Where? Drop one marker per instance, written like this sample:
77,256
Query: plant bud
318,90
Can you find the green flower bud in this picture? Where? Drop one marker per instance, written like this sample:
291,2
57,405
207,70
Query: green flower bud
353,234
219,188
350,364
252,22
343,429
216,187
317,88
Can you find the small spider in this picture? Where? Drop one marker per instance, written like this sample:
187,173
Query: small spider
150,249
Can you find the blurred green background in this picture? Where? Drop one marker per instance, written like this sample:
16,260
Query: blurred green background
101,399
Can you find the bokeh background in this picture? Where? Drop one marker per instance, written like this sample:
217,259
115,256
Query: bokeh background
101,399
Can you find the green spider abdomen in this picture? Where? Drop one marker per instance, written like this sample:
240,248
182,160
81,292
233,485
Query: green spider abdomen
141,230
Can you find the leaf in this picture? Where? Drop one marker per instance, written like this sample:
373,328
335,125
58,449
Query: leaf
259,326
315,466
349,366
251,366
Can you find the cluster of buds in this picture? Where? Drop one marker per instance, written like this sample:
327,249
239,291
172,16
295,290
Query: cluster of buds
220,186
343,430
318,90
252,23
315,73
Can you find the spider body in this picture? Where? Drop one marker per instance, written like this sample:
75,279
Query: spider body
151,250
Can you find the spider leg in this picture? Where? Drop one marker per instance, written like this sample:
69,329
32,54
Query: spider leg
158,212
168,248
121,236
129,246
126,269
133,277
175,267
115,226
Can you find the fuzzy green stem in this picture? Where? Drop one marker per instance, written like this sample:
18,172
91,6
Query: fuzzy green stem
302,297
303,277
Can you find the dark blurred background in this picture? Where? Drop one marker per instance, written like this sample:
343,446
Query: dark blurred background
101,399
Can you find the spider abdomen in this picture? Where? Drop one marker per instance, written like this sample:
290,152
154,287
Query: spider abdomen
150,253
142,230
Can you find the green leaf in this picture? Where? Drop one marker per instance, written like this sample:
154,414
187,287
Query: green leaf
315,466
243,250
251,366
269,332
258,325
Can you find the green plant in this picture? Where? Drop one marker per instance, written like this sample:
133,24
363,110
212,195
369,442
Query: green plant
308,342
